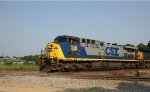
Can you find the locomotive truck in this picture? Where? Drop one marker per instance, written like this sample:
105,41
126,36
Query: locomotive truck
70,53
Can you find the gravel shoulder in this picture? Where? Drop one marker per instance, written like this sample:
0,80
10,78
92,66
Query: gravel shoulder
12,81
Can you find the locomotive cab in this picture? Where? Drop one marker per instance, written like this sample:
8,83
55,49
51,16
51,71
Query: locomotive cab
69,39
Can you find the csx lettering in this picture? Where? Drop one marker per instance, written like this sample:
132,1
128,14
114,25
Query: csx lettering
74,48
111,51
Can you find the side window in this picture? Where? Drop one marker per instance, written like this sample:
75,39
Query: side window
70,40
101,44
93,41
73,41
83,40
88,41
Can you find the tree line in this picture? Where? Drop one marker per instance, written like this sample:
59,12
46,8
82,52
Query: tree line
141,45
35,58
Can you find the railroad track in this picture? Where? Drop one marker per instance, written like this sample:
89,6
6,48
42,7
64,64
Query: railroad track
127,75
125,78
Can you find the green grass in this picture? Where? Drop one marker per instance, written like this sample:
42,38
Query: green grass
20,67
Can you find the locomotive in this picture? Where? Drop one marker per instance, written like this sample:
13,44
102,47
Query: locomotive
70,53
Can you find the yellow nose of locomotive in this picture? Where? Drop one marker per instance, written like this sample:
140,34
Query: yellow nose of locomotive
140,55
53,50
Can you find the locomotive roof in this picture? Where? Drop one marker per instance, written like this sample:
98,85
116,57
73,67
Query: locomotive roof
66,36
74,37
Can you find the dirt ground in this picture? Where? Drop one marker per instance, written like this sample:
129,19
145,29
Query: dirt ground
89,81
27,87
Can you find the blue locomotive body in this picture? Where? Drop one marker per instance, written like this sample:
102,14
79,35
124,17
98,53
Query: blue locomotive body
74,47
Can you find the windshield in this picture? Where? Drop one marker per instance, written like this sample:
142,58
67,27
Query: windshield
60,40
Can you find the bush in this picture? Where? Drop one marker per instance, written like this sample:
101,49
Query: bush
34,58
29,63
8,62
19,67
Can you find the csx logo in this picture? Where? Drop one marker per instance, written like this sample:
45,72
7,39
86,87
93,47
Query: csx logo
74,48
111,51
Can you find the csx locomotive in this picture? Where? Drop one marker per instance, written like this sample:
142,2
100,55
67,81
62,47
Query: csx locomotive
69,53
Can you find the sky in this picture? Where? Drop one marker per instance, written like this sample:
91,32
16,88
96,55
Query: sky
27,26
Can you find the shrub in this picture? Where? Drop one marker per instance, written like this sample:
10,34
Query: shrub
28,63
8,62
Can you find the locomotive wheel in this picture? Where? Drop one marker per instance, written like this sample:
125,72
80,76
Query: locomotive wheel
65,67
144,66
136,66
131,65
75,68
86,66
123,66
149,65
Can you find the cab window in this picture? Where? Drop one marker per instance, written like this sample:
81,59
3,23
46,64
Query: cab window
60,40
73,41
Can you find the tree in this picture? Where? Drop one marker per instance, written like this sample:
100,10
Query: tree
1,57
35,58
141,45
14,57
148,45
7,57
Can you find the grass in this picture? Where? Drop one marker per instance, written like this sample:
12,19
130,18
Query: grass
20,67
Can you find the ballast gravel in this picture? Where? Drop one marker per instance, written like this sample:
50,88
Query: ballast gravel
75,84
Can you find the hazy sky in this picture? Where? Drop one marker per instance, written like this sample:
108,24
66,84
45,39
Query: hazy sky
26,27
